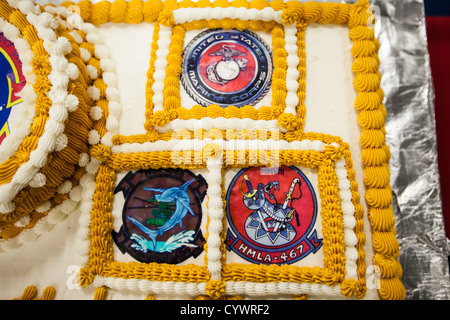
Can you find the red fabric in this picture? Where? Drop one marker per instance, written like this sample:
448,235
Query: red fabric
438,29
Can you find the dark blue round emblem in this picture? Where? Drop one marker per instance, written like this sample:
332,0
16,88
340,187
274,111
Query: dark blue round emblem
227,68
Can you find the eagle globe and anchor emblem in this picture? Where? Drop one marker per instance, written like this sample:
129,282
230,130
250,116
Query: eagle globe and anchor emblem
161,216
227,67
271,220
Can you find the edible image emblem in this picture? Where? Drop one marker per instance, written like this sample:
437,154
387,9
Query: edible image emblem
271,217
11,83
161,216
227,67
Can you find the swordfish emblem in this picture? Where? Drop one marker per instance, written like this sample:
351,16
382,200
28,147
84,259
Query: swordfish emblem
229,67
161,215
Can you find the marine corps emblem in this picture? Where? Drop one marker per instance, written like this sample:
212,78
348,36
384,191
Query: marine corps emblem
227,67
271,217
162,215
11,83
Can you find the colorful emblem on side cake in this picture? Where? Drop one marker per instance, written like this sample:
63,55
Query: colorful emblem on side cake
162,215
271,217
11,83
227,68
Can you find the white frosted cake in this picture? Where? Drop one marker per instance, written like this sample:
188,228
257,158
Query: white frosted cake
231,150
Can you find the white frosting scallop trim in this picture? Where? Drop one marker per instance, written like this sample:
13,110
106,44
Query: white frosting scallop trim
16,136
184,15
62,71
282,288
112,92
86,191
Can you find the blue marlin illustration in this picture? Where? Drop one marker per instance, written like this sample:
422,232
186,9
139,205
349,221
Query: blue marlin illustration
180,197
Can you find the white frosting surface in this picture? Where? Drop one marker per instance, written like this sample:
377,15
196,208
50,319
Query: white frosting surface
52,258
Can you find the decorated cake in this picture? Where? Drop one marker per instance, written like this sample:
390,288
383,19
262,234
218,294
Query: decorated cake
194,150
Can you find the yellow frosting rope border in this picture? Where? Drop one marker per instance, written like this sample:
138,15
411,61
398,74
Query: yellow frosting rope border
148,86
